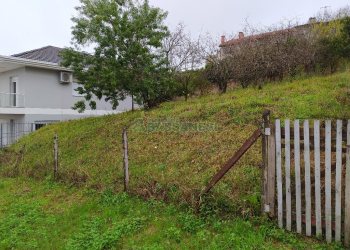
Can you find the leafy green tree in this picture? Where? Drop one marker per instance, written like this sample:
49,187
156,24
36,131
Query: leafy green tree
346,37
333,39
127,59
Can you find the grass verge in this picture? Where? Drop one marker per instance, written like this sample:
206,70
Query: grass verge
44,215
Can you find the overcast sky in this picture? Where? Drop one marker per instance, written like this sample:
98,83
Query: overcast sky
26,25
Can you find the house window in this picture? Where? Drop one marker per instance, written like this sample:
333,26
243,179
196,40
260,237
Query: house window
75,93
41,124
13,91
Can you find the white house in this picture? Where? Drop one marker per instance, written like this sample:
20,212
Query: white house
35,90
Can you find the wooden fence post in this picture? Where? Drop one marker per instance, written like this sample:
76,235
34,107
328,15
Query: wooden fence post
268,151
265,124
126,159
55,149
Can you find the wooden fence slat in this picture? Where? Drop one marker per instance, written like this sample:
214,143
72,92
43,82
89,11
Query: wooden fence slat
317,157
307,178
279,173
271,164
287,171
338,181
347,192
328,182
303,139
297,174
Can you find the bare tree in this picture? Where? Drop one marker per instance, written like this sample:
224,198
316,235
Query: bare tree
268,55
184,58
279,51
219,71
219,68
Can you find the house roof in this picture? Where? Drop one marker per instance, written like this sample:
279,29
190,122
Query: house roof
261,36
10,63
48,54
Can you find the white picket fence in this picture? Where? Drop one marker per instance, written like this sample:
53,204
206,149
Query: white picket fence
308,176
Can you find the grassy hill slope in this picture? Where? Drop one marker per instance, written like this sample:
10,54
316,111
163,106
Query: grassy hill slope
175,165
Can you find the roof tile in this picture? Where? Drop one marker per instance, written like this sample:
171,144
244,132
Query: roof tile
46,54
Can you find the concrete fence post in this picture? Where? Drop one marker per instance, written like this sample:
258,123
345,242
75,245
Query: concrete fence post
126,159
55,170
1,136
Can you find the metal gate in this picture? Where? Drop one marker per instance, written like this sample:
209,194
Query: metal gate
307,176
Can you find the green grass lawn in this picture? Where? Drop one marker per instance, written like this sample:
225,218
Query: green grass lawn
44,215
175,165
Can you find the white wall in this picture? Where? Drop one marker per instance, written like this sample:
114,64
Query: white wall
46,99
16,118
43,90
5,79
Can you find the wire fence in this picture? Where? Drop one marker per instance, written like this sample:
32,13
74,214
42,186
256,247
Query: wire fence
11,132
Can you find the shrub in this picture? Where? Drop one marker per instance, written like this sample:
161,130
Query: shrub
286,51
276,54
188,82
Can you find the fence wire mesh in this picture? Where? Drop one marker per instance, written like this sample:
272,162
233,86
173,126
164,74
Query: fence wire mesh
11,132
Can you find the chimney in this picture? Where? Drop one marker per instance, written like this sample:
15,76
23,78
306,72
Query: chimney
223,39
240,35
312,20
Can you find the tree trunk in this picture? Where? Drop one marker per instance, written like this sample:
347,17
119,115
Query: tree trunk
132,103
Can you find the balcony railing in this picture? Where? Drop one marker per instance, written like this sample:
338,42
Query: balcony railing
11,100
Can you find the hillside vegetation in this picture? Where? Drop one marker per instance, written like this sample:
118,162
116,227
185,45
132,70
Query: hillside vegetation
175,165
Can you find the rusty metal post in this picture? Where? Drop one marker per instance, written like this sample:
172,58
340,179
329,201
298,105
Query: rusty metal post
232,162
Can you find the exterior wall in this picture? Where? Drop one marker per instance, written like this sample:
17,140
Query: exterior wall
43,89
15,118
5,79
46,101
